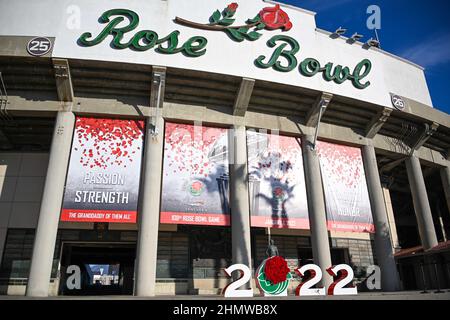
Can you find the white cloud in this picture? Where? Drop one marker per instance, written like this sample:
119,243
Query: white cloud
431,52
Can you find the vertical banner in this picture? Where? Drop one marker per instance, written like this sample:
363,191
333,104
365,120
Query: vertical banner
276,181
195,176
346,193
104,171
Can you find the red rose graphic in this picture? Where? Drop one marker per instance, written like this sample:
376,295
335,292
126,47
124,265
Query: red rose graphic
197,186
232,7
276,270
278,192
275,18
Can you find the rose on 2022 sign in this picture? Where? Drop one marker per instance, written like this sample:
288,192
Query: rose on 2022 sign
276,269
273,276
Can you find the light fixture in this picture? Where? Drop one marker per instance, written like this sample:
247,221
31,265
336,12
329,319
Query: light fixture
373,43
340,31
356,36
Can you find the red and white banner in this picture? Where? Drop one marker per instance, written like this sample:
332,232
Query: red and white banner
104,171
195,176
276,181
345,187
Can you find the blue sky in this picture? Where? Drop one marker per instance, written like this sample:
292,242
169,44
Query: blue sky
416,30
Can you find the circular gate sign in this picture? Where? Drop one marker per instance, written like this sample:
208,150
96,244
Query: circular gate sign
39,46
398,102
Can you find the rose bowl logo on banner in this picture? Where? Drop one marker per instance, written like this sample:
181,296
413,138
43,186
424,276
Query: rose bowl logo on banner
196,188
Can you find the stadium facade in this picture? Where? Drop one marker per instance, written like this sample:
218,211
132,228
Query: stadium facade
147,145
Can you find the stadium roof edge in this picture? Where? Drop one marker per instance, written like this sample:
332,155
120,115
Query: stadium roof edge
291,7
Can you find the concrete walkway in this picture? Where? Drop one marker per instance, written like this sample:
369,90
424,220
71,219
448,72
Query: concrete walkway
404,295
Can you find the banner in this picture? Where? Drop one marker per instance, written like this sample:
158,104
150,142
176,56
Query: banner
276,181
345,187
195,176
104,171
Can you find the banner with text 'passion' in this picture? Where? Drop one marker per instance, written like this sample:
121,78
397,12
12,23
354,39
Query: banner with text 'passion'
345,187
195,176
276,181
104,171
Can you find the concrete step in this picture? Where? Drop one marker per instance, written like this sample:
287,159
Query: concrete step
213,292
206,292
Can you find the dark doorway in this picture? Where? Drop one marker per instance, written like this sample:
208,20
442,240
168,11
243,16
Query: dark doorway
210,252
103,269
338,256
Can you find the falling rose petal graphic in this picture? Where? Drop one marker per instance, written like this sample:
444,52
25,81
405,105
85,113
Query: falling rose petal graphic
191,146
114,137
343,162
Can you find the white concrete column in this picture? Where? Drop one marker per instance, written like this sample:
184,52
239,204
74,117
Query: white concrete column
421,203
3,233
445,176
391,219
150,194
47,228
317,212
383,248
239,197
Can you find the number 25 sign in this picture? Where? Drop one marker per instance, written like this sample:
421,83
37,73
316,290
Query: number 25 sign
273,277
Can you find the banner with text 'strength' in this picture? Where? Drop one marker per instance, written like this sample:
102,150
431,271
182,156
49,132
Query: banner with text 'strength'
104,171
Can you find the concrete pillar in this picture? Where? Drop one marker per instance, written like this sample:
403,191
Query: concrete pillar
421,204
391,219
317,212
239,198
3,233
383,247
47,228
150,193
445,176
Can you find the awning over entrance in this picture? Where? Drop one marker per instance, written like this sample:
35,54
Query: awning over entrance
418,250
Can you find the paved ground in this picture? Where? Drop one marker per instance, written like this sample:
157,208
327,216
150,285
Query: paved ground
405,295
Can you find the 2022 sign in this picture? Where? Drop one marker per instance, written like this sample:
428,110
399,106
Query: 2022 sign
272,278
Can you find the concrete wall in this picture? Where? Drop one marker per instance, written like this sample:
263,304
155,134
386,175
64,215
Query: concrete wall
22,177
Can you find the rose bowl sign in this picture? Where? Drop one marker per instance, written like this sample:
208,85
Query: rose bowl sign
269,18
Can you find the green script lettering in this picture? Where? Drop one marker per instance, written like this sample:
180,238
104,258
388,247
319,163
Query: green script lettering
289,55
142,40
111,29
358,76
339,75
310,66
285,50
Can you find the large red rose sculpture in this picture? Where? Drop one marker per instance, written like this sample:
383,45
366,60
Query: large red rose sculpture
275,18
276,270
270,18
